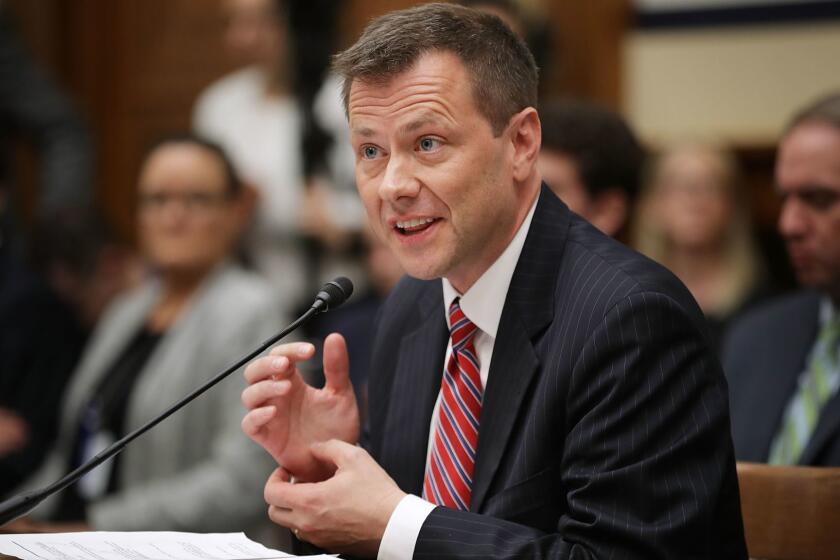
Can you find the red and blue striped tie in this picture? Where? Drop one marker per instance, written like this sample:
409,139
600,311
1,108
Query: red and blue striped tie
448,480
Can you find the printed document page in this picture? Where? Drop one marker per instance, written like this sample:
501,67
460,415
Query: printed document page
139,546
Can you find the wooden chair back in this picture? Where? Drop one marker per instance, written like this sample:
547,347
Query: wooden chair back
790,513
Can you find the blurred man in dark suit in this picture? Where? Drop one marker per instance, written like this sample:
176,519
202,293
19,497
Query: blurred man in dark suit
783,360
536,389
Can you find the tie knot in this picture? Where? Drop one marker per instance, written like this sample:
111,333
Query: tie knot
461,328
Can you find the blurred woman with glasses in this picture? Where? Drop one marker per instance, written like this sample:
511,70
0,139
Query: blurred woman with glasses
193,316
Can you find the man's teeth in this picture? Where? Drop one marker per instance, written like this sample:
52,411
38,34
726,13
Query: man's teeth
408,224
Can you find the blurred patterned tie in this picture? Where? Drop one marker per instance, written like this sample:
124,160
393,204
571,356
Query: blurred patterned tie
816,386
448,480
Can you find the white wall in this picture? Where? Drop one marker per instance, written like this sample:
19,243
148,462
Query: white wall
732,84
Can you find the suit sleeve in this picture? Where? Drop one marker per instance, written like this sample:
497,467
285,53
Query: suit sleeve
646,470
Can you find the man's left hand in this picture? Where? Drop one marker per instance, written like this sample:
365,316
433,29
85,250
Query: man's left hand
346,513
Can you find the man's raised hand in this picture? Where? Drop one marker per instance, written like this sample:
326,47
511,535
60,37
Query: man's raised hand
286,416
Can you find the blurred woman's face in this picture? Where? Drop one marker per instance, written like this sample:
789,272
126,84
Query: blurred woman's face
694,202
187,217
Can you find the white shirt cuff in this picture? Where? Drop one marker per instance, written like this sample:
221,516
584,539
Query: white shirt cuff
403,528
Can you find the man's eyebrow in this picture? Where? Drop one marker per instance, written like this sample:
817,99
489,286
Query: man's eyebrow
419,123
408,128
363,131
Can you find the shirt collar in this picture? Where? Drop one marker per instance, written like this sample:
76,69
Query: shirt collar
483,302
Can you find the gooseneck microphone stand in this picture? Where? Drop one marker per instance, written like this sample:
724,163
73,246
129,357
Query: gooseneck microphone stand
332,295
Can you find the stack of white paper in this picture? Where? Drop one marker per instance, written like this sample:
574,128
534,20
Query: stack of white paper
139,546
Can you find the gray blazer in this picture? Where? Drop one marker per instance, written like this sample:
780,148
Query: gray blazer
196,471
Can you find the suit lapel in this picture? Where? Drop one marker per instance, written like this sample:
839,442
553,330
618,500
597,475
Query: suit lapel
415,389
528,309
512,368
787,359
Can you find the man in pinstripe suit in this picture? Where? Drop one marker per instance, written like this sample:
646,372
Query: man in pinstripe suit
537,389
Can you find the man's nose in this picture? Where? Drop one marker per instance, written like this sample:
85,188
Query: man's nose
793,218
399,180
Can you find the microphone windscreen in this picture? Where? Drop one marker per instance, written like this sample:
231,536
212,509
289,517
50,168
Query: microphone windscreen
337,291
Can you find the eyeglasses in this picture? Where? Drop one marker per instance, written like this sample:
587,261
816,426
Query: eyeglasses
195,201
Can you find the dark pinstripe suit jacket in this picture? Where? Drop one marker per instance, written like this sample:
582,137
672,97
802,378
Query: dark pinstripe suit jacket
604,429
764,354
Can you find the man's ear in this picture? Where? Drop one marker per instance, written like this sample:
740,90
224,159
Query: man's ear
609,211
526,136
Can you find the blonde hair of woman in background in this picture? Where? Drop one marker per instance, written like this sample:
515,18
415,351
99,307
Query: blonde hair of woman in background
693,217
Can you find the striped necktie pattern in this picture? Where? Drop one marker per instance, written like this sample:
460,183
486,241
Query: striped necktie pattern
448,480
816,386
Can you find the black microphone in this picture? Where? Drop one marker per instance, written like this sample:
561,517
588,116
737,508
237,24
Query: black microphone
332,295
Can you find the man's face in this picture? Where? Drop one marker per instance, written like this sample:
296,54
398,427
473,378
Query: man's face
438,187
808,179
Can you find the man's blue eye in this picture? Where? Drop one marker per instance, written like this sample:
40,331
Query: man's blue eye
369,152
427,144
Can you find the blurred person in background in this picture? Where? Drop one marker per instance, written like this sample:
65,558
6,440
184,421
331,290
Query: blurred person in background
694,219
182,325
33,110
506,10
592,160
57,270
264,115
534,30
48,307
783,359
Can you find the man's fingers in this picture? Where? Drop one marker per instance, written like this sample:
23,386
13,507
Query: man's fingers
256,419
280,361
281,516
279,491
336,452
269,367
295,351
336,363
260,393
281,474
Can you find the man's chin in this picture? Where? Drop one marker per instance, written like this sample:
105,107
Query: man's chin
812,279
421,271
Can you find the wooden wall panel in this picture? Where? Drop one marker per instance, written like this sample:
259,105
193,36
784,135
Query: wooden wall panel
587,39
134,68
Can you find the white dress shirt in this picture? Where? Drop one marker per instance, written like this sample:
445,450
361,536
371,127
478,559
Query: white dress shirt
482,304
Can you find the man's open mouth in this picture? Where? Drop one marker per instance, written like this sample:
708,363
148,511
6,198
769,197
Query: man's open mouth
412,227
